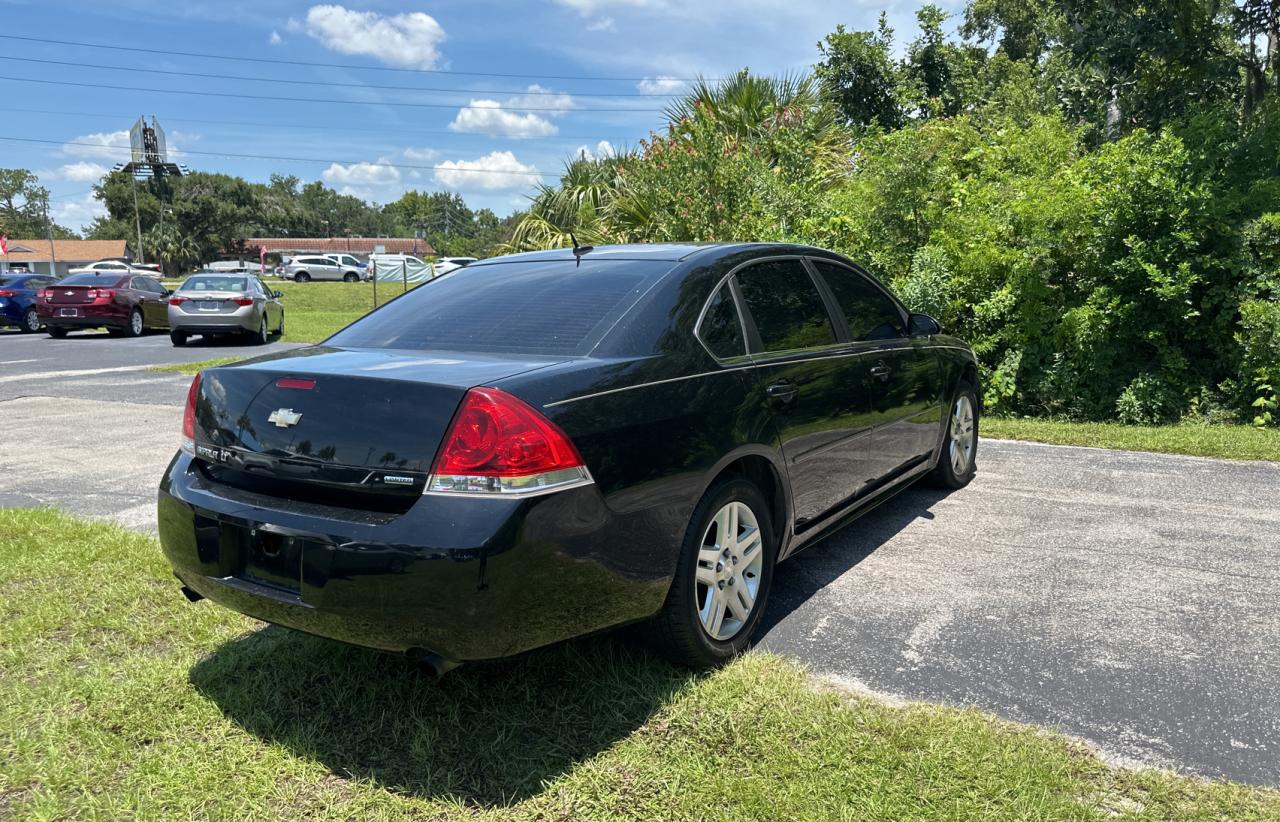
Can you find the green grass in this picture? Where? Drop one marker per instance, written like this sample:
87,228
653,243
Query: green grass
120,699
1230,441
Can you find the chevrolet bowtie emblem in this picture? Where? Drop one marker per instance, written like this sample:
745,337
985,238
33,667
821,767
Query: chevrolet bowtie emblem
284,417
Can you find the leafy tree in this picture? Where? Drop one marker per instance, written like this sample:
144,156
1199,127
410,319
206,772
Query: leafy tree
23,206
859,75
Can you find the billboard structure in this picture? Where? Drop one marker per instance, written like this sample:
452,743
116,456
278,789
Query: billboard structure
148,159
148,155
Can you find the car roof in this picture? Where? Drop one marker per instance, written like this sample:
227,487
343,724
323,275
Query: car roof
673,252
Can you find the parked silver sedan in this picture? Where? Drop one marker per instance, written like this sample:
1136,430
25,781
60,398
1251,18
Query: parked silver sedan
210,304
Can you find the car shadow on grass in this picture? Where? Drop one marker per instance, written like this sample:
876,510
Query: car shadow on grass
486,735
821,563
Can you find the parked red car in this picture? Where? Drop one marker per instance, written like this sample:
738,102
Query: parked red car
125,304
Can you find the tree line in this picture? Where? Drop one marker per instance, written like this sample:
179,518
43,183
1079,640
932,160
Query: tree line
1088,192
197,217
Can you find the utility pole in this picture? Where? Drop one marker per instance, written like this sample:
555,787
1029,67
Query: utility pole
48,230
137,220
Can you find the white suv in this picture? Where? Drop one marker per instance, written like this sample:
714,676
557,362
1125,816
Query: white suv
318,267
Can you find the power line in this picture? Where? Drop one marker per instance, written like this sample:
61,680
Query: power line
314,100
379,163
206,76
170,53
291,125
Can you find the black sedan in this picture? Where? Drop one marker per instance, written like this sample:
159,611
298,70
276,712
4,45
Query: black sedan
545,445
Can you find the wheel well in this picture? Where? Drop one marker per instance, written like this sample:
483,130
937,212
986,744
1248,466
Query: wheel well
761,473
970,375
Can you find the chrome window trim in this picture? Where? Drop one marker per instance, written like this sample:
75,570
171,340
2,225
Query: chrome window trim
737,309
744,367
903,313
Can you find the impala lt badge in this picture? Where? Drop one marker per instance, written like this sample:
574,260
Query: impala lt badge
284,417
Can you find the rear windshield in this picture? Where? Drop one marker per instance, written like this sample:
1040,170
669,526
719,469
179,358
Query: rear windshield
105,278
550,307
215,284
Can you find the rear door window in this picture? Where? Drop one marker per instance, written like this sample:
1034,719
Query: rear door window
869,311
547,307
785,305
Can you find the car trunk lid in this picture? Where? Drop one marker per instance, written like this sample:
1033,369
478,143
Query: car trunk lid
76,294
210,302
359,428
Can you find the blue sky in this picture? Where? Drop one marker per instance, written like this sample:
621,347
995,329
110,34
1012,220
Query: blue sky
490,140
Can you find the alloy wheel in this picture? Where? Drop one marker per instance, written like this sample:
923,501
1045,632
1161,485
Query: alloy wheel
963,435
135,323
730,561
31,320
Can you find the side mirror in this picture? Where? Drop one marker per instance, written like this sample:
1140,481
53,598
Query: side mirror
166,292
922,325
277,294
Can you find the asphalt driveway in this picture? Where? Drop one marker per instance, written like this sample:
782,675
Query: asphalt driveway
1129,599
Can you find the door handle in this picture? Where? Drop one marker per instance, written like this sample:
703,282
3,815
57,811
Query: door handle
881,371
785,391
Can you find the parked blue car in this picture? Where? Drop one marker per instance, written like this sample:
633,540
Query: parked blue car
18,299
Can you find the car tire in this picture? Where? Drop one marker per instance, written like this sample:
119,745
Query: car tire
136,325
958,459
56,332
178,338
701,592
280,328
302,277
351,277
30,321
261,337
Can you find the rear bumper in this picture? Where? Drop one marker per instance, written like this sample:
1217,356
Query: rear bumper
11,311
244,319
90,316
467,579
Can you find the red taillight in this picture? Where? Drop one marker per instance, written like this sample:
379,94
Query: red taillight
242,300
101,295
42,294
5,293
189,414
294,382
498,443
176,300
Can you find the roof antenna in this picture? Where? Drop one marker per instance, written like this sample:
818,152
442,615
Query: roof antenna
579,250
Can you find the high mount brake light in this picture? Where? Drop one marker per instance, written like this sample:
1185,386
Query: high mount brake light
189,416
499,445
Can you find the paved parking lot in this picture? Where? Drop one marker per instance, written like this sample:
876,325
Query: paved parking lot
1126,598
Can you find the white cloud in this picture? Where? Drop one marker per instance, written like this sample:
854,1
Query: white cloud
105,145
408,40
602,24
489,117
420,155
362,174
494,119
540,97
78,213
496,171
662,85
603,149
275,38
81,172
586,7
